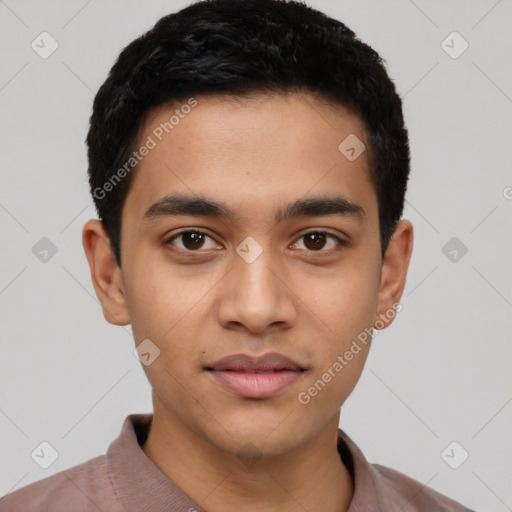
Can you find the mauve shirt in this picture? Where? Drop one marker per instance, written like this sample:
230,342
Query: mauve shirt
125,480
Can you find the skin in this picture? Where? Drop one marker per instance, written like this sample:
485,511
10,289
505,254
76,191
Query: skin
255,154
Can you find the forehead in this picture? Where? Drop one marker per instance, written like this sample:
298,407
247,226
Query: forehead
254,153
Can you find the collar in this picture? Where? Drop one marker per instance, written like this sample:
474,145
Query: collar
148,489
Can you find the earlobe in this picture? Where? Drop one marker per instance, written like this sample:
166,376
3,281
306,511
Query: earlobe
394,273
105,273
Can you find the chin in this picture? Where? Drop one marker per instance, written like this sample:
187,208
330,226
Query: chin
264,434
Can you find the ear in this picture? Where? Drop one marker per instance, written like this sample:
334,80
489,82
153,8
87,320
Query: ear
105,273
394,273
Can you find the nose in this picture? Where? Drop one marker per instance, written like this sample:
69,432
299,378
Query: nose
257,295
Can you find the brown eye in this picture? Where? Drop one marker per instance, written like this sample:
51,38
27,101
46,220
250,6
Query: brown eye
191,240
317,240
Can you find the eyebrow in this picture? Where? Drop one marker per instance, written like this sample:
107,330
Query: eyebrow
180,205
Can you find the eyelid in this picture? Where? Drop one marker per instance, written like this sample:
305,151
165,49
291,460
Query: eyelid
325,231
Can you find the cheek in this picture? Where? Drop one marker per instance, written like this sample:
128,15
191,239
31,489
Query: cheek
346,308
160,297
347,302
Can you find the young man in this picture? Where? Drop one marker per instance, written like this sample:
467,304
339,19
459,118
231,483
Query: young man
249,161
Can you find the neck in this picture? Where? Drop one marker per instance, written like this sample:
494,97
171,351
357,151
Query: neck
311,477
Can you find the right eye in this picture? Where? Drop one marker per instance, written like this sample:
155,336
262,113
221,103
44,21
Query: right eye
191,240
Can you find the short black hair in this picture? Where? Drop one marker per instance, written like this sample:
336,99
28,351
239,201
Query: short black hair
237,48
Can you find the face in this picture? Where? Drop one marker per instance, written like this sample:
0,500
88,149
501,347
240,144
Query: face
282,257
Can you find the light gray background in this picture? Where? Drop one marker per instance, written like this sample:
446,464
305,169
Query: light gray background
440,373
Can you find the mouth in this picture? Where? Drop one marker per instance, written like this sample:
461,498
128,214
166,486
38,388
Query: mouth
256,377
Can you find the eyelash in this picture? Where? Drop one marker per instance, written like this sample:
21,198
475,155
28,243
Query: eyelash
317,231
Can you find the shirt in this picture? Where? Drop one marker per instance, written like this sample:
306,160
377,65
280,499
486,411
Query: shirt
126,480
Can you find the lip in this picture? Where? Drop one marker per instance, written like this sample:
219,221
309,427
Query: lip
256,377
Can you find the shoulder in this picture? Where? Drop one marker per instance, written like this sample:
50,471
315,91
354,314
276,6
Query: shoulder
410,495
80,488
382,488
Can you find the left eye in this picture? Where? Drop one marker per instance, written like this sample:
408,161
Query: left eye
316,240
